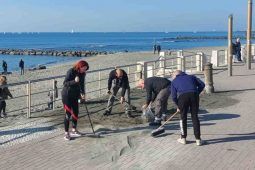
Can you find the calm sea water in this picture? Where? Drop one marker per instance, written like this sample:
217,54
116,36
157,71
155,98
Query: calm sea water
111,42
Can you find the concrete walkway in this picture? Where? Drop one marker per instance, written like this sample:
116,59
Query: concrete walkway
229,133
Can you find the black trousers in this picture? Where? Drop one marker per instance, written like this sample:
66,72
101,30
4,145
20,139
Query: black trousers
73,105
2,106
186,102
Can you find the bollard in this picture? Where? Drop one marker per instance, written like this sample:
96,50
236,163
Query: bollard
208,78
28,99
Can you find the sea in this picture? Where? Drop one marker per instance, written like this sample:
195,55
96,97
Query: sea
102,41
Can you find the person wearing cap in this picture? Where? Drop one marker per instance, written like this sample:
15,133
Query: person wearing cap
119,79
73,90
185,91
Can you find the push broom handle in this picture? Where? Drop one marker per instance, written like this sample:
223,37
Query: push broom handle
167,120
89,118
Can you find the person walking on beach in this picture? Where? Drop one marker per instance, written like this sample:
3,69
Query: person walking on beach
4,93
238,50
4,65
158,48
158,91
73,90
52,93
119,79
154,48
185,91
21,65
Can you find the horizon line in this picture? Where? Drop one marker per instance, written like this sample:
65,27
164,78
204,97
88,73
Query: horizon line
28,32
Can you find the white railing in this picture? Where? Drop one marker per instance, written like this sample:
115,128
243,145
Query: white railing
32,96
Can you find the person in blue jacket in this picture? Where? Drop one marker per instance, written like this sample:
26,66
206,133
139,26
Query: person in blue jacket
185,90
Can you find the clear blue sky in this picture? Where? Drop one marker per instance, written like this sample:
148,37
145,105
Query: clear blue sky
120,15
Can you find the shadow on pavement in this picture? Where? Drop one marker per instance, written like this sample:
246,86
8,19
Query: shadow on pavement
232,138
23,132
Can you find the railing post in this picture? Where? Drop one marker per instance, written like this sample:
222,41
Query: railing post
139,71
162,63
154,68
164,69
54,94
28,99
208,72
201,61
179,60
215,58
226,58
145,70
99,83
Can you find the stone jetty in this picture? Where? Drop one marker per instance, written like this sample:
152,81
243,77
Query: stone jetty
41,52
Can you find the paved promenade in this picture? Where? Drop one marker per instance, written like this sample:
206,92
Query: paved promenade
229,133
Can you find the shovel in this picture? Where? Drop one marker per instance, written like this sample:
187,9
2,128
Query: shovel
133,108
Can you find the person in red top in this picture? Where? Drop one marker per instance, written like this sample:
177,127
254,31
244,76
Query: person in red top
73,90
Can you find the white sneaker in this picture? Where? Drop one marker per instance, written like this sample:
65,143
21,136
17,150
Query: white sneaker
67,137
199,142
75,134
182,141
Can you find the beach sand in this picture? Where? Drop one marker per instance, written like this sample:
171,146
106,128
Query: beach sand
17,107
95,62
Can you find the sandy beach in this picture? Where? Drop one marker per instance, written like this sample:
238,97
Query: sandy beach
95,62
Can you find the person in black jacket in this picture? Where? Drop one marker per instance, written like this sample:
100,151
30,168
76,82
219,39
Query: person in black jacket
119,79
238,50
185,91
5,66
73,90
21,65
158,91
4,93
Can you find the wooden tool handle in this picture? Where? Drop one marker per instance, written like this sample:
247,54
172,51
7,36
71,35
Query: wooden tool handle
168,120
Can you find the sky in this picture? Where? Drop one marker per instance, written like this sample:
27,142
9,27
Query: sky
121,15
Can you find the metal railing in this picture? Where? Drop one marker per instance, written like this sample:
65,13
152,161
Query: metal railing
32,96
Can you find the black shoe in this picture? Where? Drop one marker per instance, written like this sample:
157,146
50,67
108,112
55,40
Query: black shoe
107,113
133,108
164,117
129,114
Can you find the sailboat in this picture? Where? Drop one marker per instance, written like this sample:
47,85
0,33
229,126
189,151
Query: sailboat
72,31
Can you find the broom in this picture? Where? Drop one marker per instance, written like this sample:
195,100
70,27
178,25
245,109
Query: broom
161,129
94,134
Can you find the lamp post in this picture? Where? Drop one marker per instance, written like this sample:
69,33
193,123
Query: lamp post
230,48
249,27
